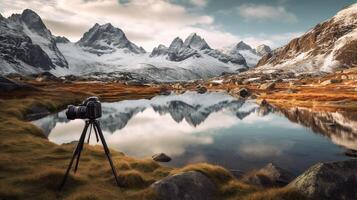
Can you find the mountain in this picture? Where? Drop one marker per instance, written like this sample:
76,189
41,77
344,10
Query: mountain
263,49
252,56
194,47
328,46
27,46
102,39
194,41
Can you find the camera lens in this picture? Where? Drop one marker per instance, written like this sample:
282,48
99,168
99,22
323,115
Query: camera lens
71,112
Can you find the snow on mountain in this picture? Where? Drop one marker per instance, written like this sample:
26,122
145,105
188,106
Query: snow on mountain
195,47
27,46
263,49
102,39
328,46
194,41
158,68
252,56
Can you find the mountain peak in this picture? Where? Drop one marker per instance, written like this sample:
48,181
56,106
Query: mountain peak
194,41
243,46
34,22
106,38
263,49
176,44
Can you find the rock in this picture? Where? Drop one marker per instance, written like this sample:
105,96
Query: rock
351,152
330,81
7,85
269,176
36,112
201,90
329,181
241,92
46,76
161,157
190,185
267,86
165,91
244,92
134,83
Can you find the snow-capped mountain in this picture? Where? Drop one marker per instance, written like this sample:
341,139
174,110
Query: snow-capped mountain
103,39
263,49
27,46
105,49
328,46
194,47
252,56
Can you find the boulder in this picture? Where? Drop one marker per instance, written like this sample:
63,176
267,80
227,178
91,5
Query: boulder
351,152
45,76
36,112
165,91
190,185
269,176
7,85
267,86
329,181
201,90
161,157
241,92
330,81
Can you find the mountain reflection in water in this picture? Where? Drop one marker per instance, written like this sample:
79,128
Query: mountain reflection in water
216,128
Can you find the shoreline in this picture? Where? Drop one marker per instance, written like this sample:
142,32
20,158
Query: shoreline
138,173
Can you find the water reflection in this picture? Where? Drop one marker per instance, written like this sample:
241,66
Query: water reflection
216,128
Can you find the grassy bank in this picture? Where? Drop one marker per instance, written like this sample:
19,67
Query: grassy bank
31,167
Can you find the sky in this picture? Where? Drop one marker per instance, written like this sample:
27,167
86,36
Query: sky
149,23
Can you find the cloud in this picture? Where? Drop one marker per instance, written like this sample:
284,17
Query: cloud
264,12
142,20
146,23
199,3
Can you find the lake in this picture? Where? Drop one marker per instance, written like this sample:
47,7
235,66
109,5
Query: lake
216,128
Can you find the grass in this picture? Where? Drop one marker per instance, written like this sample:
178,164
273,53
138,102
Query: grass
31,167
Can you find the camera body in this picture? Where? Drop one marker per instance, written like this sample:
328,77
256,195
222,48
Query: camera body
91,108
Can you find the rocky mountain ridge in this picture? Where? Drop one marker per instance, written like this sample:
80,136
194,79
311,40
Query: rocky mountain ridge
106,49
328,46
27,46
252,56
194,46
101,39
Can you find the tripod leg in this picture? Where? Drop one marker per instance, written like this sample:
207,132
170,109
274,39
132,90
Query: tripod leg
96,133
81,143
76,151
90,132
106,149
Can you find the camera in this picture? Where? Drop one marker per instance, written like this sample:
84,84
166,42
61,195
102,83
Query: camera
90,108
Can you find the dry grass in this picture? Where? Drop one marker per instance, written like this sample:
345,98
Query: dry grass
275,194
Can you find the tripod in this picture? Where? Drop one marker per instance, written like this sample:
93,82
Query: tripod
92,123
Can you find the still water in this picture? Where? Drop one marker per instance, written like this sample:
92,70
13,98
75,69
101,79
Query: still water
216,128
